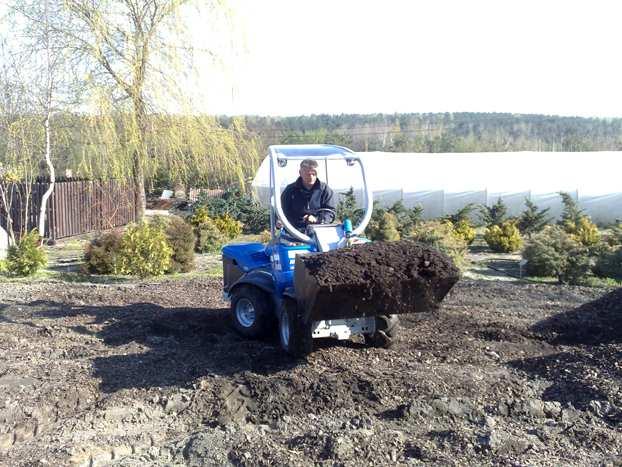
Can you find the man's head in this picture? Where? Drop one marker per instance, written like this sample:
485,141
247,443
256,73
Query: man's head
308,172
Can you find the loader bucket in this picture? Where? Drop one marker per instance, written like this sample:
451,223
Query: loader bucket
372,279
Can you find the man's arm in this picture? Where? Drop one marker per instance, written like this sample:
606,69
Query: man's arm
285,198
328,202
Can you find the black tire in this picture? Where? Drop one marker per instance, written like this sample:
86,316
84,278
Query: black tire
386,334
294,333
251,311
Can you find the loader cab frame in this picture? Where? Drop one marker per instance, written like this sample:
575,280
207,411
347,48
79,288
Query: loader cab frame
263,282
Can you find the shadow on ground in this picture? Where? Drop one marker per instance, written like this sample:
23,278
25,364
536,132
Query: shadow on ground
160,347
587,371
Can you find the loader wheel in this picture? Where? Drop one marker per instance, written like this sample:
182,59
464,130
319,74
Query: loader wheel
250,311
294,334
387,330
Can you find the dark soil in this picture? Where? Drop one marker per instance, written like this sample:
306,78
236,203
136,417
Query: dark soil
390,277
152,374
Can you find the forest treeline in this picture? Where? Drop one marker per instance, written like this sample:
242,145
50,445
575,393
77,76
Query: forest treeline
199,150
443,132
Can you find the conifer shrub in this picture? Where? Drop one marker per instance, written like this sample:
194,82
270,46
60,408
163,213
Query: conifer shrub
532,219
209,238
495,214
578,224
504,238
265,236
347,208
584,231
554,252
400,217
200,216
144,251
100,253
385,228
615,236
407,218
609,263
464,229
180,237
442,236
240,206
27,256
228,226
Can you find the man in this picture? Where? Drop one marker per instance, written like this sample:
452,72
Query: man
302,199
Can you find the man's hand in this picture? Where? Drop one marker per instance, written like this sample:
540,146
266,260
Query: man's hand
310,219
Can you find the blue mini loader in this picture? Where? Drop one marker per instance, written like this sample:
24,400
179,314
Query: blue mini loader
268,286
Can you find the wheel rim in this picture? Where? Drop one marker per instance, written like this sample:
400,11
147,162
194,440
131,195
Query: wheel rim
284,329
245,312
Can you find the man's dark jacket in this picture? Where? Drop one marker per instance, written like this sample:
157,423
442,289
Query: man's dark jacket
297,201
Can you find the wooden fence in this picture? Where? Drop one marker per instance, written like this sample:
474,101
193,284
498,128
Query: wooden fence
75,207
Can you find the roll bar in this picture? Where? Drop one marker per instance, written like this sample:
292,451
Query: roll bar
280,154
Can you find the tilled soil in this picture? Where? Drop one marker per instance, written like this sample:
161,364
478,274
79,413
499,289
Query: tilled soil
152,374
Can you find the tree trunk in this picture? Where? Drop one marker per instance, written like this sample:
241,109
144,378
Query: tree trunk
140,200
140,155
48,161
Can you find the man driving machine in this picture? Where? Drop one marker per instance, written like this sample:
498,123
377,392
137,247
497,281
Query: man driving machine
308,200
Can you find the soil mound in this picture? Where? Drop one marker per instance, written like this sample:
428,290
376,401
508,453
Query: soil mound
595,322
374,278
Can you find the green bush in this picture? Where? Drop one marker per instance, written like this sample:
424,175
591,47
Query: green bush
406,218
532,219
265,236
100,254
27,257
495,214
554,252
385,228
180,237
609,263
3,266
209,238
615,237
584,231
228,226
571,213
464,229
347,208
401,218
200,216
144,251
442,236
504,238
242,207
463,214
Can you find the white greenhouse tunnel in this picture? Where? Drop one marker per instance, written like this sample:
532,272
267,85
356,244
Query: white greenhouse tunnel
444,183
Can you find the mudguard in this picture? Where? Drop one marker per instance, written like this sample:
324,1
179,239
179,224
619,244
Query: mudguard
261,278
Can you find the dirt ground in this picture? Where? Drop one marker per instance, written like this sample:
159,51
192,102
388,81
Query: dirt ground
151,373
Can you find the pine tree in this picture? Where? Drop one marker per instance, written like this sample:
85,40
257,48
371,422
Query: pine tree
495,214
347,208
572,213
532,219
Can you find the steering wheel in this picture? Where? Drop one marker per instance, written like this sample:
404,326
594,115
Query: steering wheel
332,215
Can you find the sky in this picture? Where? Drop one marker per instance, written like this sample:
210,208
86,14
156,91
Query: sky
294,57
